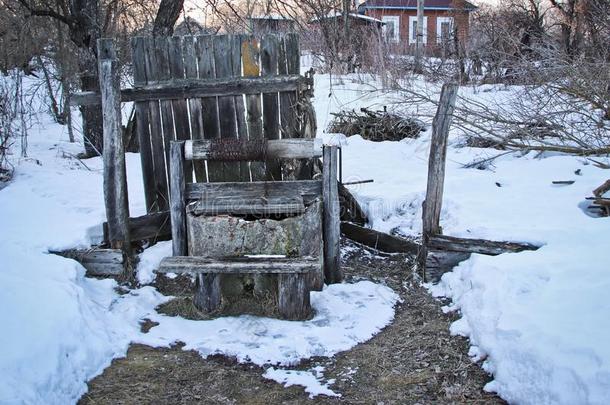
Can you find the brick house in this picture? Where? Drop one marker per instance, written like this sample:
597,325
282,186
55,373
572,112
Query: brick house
442,19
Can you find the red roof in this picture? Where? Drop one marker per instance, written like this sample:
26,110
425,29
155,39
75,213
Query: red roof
412,4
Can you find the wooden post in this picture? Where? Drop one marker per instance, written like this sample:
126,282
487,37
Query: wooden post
176,198
419,39
436,168
115,180
331,222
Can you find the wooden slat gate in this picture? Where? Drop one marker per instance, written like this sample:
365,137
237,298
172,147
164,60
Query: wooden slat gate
255,92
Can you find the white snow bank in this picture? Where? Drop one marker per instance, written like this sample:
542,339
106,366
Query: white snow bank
311,380
345,315
59,329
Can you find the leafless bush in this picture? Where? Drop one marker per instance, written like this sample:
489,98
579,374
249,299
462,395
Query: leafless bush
13,119
375,125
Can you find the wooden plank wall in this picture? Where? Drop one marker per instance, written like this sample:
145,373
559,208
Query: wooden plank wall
266,115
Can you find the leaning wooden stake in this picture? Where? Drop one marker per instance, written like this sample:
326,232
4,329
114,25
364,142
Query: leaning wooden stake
176,198
436,169
331,220
115,181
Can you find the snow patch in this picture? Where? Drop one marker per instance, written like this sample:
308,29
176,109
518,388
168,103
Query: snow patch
311,380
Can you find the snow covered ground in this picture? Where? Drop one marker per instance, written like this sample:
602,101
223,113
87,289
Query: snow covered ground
538,320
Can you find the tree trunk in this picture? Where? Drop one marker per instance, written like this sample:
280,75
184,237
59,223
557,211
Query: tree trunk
85,33
169,11
419,39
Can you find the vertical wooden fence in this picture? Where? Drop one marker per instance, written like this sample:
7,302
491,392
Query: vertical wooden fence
250,115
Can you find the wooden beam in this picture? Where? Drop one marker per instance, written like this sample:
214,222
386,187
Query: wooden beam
259,207
309,190
155,226
97,262
436,168
330,217
481,246
238,265
378,240
236,149
176,200
115,180
176,89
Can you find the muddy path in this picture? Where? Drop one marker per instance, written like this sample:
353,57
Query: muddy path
414,360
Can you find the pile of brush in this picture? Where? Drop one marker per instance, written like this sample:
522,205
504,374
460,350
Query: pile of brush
375,125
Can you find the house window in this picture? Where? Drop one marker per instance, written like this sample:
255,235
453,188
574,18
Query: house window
391,29
444,30
413,30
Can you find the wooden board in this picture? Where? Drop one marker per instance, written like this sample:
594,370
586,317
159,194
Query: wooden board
331,222
204,47
481,246
194,104
236,150
97,262
142,125
180,108
154,226
115,180
251,68
259,207
237,265
226,105
271,119
309,190
156,132
378,240
190,88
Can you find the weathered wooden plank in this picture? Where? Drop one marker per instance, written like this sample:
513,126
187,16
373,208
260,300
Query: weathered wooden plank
309,190
251,67
204,47
293,297
331,221
177,202
240,108
270,45
289,63
115,179
481,246
378,240
236,150
154,226
142,125
156,132
97,262
237,265
350,208
194,104
436,163
436,169
259,207
192,88
226,105
440,262
180,109
207,292
161,55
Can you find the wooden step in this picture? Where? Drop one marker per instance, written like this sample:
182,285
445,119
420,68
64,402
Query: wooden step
238,265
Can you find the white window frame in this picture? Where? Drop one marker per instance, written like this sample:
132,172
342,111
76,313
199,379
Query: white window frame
439,30
396,20
412,37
